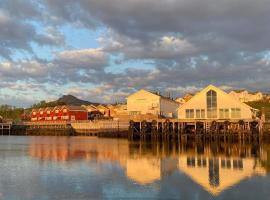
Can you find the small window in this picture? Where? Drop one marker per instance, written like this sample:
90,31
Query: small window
202,113
198,113
189,113
65,110
56,111
236,112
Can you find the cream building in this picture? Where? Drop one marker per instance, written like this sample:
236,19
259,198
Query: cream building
213,103
144,102
245,96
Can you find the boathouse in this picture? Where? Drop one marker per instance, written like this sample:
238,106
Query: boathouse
59,113
212,103
145,102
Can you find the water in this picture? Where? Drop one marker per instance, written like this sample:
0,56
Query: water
92,168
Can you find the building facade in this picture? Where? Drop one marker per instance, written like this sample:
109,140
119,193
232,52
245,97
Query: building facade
214,104
245,96
144,102
59,113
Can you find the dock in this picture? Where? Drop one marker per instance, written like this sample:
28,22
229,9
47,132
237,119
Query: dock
5,128
168,129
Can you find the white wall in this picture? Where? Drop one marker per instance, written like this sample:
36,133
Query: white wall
169,108
143,102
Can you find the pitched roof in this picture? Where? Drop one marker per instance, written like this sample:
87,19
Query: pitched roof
77,108
158,94
219,90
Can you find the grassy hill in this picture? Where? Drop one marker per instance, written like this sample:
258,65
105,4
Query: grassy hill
259,105
263,106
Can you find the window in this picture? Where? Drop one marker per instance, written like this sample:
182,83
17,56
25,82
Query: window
224,113
200,113
236,112
65,110
34,113
57,111
211,99
189,113
134,113
48,112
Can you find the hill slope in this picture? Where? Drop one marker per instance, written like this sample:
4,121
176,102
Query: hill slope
64,100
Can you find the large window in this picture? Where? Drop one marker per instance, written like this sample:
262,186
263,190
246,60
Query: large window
189,113
211,99
236,112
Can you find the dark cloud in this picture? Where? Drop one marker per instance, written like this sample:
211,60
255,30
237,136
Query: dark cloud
188,43
243,21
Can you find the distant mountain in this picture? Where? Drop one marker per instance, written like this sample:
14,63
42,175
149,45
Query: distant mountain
72,100
64,100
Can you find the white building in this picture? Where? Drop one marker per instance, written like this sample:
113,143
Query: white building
245,96
144,102
213,103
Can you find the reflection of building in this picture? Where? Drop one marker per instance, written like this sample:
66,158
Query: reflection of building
213,103
245,96
145,170
145,102
149,163
64,149
216,174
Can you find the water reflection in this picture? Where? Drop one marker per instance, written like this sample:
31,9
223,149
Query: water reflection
215,166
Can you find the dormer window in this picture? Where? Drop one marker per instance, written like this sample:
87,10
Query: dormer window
48,112
56,111
65,110
41,112
34,113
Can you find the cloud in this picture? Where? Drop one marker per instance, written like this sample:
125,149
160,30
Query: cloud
172,45
165,47
17,34
85,58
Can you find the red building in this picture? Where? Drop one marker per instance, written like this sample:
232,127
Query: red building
59,113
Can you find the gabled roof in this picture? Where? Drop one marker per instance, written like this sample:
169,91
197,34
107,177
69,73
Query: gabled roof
102,106
209,87
73,108
239,91
156,94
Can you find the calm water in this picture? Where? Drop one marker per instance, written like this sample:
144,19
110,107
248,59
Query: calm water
91,168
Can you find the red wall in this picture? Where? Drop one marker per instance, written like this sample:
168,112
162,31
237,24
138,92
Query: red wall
79,115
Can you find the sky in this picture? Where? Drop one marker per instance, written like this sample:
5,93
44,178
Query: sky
103,50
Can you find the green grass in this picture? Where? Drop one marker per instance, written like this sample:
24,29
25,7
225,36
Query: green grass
261,105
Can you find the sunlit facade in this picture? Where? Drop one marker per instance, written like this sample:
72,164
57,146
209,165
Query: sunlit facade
214,104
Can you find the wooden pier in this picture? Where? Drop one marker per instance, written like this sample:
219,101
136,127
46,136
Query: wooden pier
5,128
101,128
167,129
